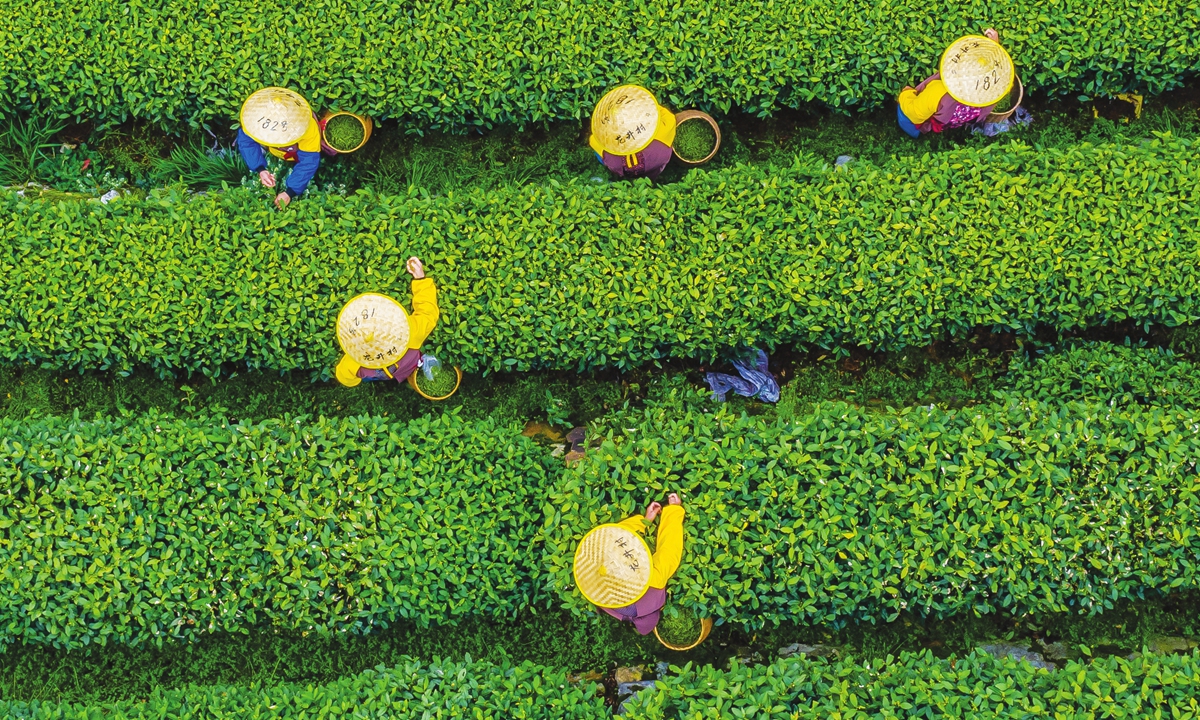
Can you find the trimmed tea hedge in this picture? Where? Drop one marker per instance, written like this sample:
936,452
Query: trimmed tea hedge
441,690
912,685
918,685
1112,374
844,513
138,529
439,64
583,275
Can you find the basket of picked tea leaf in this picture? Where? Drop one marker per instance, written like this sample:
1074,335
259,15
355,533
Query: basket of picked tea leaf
345,132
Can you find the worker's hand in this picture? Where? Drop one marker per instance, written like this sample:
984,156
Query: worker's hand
652,510
267,177
415,268
282,199
991,33
673,499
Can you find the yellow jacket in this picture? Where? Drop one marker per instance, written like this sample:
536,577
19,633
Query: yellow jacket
920,106
421,323
669,552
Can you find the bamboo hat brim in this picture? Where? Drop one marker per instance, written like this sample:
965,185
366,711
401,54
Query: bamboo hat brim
977,71
373,330
625,120
612,566
276,117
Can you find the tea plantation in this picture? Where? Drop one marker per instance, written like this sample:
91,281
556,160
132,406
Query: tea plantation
977,496
438,64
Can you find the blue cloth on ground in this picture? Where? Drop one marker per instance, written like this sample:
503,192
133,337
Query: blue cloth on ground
754,380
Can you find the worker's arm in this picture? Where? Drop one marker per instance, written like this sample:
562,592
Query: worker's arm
669,551
634,524
936,76
425,312
306,167
251,152
920,106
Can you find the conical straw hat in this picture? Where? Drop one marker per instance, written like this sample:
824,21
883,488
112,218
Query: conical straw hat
977,71
612,566
276,117
625,120
373,330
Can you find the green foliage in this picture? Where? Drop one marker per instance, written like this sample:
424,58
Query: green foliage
913,684
977,686
587,275
694,139
194,164
344,132
848,514
1110,374
477,64
412,689
23,145
138,529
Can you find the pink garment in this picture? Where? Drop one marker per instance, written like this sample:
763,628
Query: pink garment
643,613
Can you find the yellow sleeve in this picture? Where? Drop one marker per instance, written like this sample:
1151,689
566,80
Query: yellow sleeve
635,523
311,142
424,314
919,107
665,132
669,553
347,372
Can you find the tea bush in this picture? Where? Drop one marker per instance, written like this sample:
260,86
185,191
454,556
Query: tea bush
911,685
845,513
413,689
584,275
1113,374
439,64
150,527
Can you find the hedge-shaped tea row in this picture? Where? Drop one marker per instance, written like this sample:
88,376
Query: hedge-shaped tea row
442,690
131,530
1106,373
918,685
454,64
846,513
618,274
978,686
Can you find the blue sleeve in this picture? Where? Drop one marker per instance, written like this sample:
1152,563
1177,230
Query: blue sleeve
299,177
251,151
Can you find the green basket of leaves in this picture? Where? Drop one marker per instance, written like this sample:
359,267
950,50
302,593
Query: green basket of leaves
697,137
345,132
442,382
682,630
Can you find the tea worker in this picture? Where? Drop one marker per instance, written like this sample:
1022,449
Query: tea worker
281,121
631,133
615,570
975,73
379,338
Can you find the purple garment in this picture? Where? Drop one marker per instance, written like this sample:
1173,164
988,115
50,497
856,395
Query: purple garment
650,162
400,371
644,612
951,113
754,380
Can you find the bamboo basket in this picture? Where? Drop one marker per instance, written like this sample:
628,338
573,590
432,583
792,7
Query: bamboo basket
1020,89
